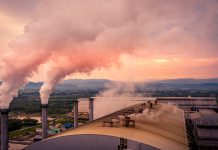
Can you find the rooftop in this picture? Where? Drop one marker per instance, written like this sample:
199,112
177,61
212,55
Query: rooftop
186,98
163,127
205,117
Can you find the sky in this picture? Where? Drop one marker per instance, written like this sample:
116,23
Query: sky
170,39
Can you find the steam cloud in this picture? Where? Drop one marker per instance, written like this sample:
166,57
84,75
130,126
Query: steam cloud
119,89
116,96
78,36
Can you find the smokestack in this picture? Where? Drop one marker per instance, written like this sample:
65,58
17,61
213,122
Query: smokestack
91,109
4,129
44,121
75,112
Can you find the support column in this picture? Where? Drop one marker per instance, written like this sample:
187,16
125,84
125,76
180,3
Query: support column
4,129
44,121
91,108
75,112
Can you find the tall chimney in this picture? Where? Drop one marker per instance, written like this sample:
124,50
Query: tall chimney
75,112
44,121
4,129
91,108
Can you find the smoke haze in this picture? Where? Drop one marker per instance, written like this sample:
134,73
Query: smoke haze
79,36
117,96
119,89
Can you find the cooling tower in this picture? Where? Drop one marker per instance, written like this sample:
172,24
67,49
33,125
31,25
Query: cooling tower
44,121
4,129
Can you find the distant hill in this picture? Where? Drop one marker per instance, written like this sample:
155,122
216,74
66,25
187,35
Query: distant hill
184,84
188,81
179,86
99,84
79,84
73,84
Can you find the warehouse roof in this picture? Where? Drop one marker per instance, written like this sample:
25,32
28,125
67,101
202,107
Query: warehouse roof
162,127
186,98
205,116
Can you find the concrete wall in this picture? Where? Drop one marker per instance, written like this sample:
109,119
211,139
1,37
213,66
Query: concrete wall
86,142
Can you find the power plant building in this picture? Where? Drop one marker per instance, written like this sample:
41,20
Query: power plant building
190,103
205,129
138,127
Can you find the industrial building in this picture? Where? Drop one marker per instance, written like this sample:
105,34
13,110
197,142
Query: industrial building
205,129
141,126
190,103
134,123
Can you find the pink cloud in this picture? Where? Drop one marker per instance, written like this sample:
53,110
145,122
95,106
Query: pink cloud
74,36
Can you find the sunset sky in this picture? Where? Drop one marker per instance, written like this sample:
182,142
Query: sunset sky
179,38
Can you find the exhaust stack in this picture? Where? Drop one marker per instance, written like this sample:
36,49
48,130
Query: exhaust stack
75,112
91,108
4,129
44,121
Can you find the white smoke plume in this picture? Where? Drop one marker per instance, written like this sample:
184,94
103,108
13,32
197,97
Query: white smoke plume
120,95
116,96
119,89
156,115
78,36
